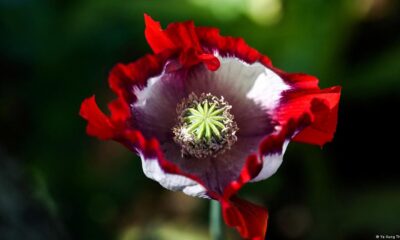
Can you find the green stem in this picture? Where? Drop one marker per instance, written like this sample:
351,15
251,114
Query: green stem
216,225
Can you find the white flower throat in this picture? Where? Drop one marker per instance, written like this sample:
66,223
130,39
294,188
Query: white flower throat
205,127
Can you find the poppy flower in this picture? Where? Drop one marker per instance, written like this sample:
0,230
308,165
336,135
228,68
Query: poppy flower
208,114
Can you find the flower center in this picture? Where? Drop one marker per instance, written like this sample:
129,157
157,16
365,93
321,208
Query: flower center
205,126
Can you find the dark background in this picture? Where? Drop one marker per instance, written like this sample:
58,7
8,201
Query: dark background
58,183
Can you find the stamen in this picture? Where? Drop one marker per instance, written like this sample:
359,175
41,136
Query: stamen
205,126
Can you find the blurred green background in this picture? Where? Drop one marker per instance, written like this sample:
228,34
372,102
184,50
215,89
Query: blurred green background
58,183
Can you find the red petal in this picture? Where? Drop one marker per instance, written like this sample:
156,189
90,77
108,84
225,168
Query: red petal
156,37
123,77
301,80
180,38
321,105
120,111
251,169
323,127
229,46
249,220
183,35
99,125
210,60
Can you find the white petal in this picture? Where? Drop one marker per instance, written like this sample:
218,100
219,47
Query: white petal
174,182
267,88
271,163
